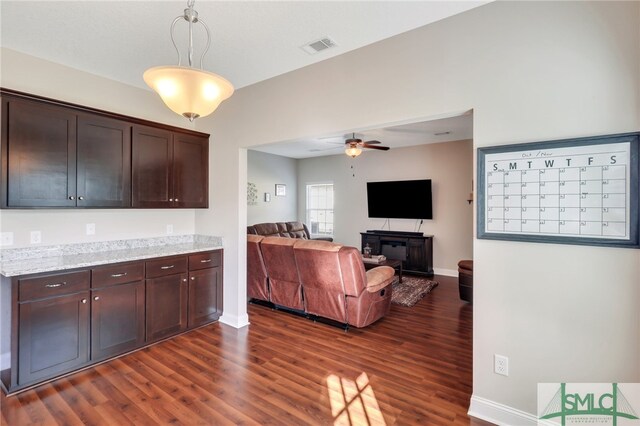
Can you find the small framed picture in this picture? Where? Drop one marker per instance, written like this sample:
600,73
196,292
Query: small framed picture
281,190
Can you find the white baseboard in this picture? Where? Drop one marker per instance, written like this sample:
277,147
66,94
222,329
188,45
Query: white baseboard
5,360
446,272
500,414
234,320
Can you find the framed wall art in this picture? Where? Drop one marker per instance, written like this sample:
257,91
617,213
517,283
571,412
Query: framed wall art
281,190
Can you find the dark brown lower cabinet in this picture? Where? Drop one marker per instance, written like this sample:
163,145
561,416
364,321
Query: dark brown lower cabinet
62,321
203,296
117,319
166,300
54,336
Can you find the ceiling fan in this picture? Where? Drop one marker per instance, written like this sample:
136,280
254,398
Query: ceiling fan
354,146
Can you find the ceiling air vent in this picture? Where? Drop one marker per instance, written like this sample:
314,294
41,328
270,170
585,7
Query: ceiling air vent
318,45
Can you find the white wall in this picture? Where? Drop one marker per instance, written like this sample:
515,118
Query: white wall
32,75
530,71
449,165
266,170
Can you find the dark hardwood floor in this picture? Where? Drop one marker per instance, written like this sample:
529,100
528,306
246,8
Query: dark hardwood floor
413,367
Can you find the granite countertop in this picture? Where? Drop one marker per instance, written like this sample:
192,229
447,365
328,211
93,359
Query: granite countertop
31,260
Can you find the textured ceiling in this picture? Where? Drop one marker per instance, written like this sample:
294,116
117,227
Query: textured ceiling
251,41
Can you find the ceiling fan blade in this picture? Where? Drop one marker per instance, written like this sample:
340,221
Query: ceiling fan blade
380,148
372,142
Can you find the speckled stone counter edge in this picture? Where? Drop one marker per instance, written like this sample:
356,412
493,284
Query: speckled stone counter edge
29,260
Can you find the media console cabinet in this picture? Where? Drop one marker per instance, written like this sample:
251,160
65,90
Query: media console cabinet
61,321
414,250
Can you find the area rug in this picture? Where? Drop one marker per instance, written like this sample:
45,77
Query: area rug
411,290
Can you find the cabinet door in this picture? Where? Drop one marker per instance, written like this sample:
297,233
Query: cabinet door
53,336
204,296
166,300
41,144
152,160
190,171
373,241
416,256
117,319
104,162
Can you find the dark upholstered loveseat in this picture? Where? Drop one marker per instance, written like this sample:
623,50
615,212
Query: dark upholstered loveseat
283,229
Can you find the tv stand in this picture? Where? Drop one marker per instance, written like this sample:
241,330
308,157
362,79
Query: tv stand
407,233
413,249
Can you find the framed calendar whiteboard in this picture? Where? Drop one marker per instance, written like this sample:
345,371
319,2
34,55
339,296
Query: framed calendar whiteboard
574,191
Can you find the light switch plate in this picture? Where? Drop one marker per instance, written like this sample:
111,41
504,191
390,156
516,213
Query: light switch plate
91,228
36,237
169,229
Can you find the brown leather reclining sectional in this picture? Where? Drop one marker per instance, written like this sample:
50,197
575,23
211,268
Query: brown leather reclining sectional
319,278
283,229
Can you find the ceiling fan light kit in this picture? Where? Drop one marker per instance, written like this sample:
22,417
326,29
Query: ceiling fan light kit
353,150
355,145
186,90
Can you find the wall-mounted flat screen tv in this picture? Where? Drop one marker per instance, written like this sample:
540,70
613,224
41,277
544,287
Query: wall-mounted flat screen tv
403,199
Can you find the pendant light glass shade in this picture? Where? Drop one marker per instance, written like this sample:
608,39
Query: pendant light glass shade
188,91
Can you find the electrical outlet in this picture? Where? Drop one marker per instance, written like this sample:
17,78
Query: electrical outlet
91,229
36,237
500,364
169,229
6,238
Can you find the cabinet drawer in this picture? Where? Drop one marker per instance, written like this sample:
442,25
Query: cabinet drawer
117,274
166,266
204,260
53,285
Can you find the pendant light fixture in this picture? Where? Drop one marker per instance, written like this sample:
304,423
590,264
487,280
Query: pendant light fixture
186,90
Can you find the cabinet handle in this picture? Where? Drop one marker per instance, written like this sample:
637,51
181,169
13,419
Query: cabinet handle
84,300
71,197
176,200
171,199
167,267
56,285
122,274
96,298
205,261
184,280
193,278
81,198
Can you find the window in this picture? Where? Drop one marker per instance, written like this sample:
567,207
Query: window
320,209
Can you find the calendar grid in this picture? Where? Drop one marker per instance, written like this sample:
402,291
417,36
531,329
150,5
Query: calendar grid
570,200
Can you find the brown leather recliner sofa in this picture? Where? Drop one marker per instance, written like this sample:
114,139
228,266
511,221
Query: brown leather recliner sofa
283,229
317,278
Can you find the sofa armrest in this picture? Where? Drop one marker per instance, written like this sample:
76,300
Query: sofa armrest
379,277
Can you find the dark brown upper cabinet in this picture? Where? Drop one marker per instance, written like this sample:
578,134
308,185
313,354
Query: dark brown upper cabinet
39,154
104,162
56,154
170,169
190,170
57,158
